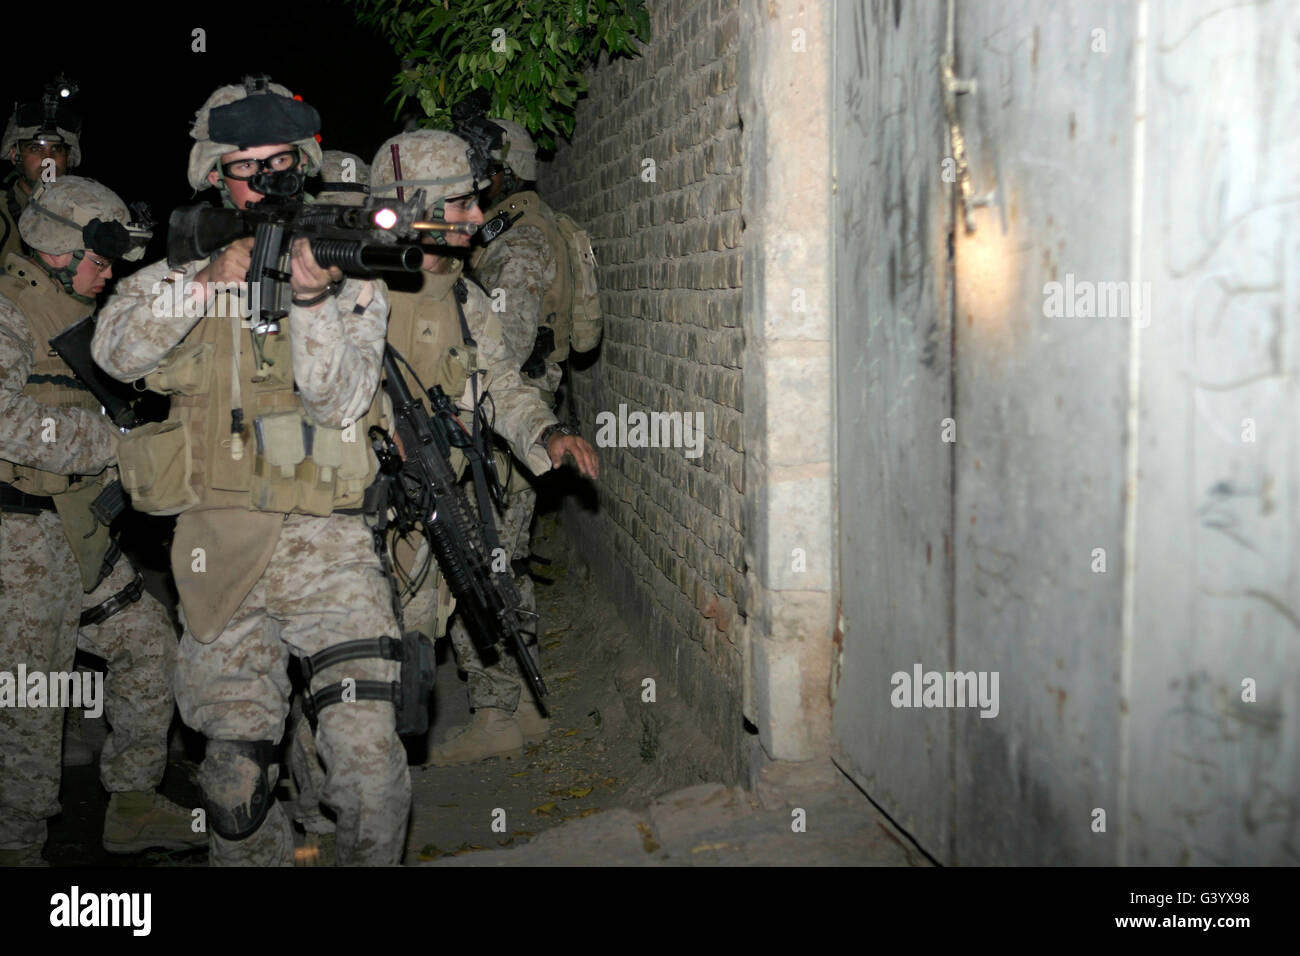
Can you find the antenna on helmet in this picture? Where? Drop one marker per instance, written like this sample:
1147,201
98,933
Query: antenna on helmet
397,172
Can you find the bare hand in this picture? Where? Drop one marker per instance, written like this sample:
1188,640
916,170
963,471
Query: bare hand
584,456
307,278
231,265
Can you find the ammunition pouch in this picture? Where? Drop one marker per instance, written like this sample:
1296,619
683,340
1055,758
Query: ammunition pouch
307,468
409,695
155,462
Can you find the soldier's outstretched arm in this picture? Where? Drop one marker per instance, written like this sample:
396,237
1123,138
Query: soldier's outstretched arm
338,351
145,319
62,440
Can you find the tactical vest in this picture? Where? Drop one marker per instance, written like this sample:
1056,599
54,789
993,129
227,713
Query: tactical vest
12,203
279,460
557,301
425,327
49,310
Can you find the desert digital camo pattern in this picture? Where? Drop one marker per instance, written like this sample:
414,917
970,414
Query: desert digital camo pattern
324,586
41,601
516,269
337,352
85,441
520,417
518,151
12,202
205,153
44,224
500,683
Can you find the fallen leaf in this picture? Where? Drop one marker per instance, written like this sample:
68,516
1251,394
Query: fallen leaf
577,792
610,781
710,846
521,773
647,838
544,809
570,733
589,811
551,646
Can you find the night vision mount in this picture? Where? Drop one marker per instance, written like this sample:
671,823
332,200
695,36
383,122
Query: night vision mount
470,123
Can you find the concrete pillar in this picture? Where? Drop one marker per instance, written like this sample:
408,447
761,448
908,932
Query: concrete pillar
784,73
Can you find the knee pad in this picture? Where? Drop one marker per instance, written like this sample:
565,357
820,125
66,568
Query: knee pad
236,786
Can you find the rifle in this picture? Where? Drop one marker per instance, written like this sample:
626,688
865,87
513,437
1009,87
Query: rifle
118,399
429,496
360,240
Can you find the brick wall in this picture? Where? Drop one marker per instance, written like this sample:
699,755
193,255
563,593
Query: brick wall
667,539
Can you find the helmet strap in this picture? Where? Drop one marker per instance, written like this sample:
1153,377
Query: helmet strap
63,276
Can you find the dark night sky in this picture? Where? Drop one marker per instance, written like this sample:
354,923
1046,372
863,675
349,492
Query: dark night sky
141,83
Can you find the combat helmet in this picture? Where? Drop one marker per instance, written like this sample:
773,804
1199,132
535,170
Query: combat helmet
48,118
254,113
431,159
518,151
73,214
340,186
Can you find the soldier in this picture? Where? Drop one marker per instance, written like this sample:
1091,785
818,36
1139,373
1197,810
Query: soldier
451,336
36,132
527,268
344,178
63,581
271,554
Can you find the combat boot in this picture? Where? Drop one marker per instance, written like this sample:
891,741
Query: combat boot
23,856
531,722
143,819
491,732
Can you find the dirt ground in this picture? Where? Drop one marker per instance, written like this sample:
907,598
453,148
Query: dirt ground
605,748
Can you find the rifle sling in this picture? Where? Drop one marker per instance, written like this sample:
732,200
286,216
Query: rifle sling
479,440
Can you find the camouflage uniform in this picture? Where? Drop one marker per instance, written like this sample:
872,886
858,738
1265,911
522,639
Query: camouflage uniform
42,582
425,327
517,268
12,203
348,185
56,122
276,582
